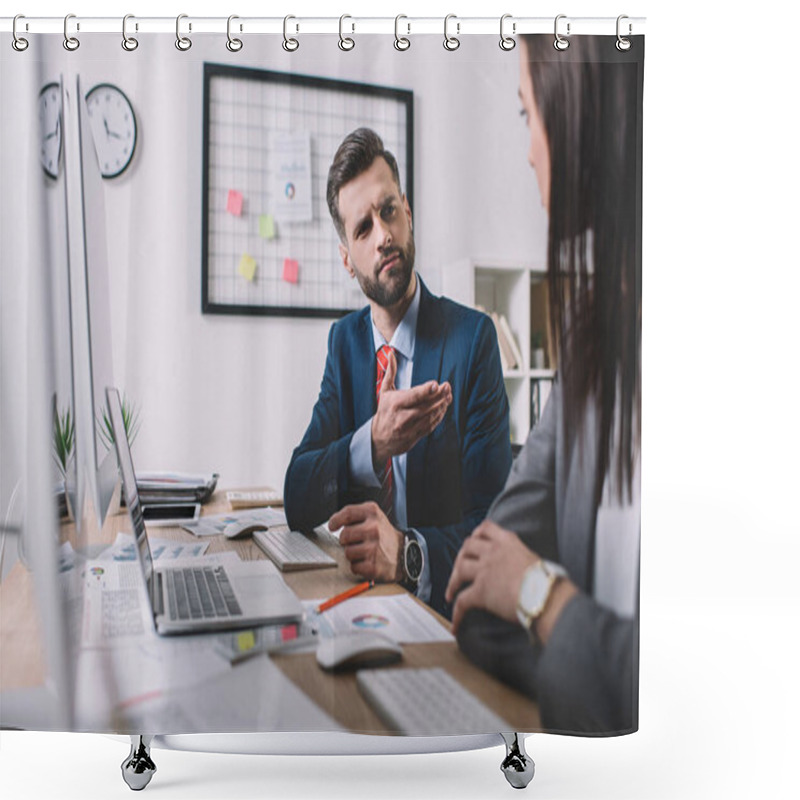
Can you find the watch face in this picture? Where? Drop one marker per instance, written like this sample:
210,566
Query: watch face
113,128
413,559
50,128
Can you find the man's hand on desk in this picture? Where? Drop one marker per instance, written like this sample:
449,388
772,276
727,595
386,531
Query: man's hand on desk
371,543
405,416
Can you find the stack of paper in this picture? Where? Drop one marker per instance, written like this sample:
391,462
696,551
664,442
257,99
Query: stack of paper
174,487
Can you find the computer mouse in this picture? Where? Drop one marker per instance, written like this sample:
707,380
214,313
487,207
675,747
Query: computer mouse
356,650
236,530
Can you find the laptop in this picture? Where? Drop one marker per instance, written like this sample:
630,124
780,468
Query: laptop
198,598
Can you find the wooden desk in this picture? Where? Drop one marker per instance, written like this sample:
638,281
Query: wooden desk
337,695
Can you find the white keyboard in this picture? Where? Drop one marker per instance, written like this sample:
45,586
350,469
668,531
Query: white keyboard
254,499
426,702
291,550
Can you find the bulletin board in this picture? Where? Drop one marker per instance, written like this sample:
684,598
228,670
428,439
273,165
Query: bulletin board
269,244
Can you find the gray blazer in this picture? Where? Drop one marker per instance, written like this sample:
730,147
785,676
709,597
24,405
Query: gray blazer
586,679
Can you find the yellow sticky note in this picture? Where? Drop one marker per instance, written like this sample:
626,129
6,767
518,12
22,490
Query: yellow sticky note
245,641
266,226
247,267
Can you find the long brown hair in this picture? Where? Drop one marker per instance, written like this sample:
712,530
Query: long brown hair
589,100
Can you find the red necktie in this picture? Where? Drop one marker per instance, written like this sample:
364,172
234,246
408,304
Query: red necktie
386,495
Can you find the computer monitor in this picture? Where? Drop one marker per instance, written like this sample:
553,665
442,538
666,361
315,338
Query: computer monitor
34,316
90,304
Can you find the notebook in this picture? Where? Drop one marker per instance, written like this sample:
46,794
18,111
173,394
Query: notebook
195,599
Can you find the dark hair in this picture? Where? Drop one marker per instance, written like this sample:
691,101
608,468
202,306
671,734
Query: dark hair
590,109
354,156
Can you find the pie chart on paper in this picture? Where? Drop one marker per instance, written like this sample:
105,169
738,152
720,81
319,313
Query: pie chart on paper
370,621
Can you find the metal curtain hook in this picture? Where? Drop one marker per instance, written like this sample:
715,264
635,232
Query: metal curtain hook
18,42
623,44
129,43
345,42
451,42
506,42
560,42
233,44
289,44
182,42
401,42
70,42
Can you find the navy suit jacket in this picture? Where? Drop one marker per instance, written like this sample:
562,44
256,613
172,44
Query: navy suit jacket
453,474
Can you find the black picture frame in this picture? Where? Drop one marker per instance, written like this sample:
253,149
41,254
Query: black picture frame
210,71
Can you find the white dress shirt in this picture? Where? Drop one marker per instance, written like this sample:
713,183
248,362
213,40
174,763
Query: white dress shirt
362,471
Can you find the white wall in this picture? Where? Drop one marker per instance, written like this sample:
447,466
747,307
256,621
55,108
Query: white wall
234,394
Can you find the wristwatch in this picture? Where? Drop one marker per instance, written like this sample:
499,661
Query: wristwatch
537,584
412,563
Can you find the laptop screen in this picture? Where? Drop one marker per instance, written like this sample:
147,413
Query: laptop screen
129,487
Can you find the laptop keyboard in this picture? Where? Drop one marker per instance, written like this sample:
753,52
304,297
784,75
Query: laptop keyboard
200,593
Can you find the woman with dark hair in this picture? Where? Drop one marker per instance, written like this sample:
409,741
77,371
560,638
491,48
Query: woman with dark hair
546,589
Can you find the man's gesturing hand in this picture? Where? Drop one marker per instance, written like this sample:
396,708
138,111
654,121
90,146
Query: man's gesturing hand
405,416
371,543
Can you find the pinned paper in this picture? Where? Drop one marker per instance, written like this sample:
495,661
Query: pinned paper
290,270
235,202
266,226
247,267
246,641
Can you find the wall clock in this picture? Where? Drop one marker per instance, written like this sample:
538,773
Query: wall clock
113,126
50,128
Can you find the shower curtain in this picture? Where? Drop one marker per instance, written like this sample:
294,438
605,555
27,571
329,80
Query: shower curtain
172,227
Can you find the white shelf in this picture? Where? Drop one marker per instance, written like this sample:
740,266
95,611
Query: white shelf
504,287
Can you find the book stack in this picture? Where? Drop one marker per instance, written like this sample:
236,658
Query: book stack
510,354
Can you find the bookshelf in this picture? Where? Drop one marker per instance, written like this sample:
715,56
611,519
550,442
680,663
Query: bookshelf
516,292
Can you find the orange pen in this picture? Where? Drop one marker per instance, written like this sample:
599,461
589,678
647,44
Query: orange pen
340,598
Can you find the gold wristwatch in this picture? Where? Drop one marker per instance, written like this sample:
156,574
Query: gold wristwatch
537,585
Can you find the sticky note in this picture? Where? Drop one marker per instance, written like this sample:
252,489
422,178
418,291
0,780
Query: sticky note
247,267
266,226
235,202
290,270
245,641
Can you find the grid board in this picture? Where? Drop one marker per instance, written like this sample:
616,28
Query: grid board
243,111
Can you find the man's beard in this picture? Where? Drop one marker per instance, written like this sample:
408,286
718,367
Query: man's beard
387,294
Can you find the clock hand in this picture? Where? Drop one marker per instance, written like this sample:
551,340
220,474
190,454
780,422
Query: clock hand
105,125
54,132
115,135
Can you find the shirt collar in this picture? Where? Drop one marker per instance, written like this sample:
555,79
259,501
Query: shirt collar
405,336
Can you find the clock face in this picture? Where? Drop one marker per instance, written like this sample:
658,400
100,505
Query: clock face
50,128
113,128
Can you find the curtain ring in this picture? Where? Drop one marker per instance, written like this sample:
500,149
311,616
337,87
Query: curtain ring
129,43
233,44
506,42
183,43
560,42
451,43
623,44
70,42
345,42
401,42
18,42
289,44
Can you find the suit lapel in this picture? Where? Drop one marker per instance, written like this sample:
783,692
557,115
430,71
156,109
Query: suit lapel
363,370
428,351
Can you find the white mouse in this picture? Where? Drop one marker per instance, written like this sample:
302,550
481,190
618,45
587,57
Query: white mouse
235,530
356,650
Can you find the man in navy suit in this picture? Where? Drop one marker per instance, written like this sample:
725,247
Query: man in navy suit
409,440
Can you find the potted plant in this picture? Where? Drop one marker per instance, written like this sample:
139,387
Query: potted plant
63,448
537,350
131,422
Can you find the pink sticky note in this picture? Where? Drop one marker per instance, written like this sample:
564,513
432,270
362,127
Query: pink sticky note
290,270
235,202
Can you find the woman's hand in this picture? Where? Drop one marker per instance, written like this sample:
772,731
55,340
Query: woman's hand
493,560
